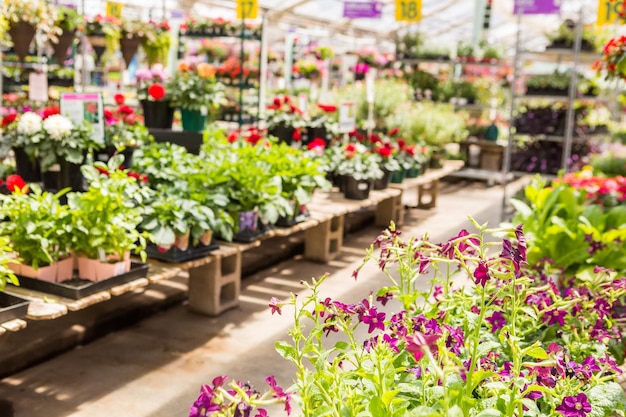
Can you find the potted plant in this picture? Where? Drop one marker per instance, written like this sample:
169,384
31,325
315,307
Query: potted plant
123,132
153,94
465,52
26,165
388,161
68,20
40,230
104,221
284,119
25,17
132,32
564,36
156,43
359,169
195,90
407,45
214,49
556,83
308,69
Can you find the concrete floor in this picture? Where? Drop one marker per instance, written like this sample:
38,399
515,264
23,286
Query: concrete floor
155,367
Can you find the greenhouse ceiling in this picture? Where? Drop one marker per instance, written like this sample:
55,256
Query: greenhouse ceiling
445,22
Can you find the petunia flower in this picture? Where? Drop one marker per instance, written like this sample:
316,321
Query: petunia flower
421,343
481,274
373,318
575,406
496,320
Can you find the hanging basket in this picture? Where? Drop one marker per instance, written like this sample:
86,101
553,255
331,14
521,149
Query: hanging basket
22,35
65,40
97,40
129,47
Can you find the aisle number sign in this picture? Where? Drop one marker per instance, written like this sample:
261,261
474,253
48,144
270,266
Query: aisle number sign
114,9
609,11
247,9
408,10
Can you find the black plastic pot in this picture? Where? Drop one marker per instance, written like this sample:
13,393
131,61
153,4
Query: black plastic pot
69,175
25,167
157,114
356,189
382,183
283,133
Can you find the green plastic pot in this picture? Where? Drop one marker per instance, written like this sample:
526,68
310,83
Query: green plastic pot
193,120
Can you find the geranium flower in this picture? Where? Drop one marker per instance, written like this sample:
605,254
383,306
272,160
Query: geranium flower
327,108
58,126
119,99
50,111
317,143
156,91
297,136
125,110
30,123
575,406
15,182
394,132
7,120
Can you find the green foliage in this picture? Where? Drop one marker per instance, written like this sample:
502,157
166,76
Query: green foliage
430,123
6,257
38,225
609,165
105,218
389,96
575,236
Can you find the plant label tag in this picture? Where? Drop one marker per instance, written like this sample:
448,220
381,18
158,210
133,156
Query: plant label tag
119,268
204,110
102,256
362,186
37,86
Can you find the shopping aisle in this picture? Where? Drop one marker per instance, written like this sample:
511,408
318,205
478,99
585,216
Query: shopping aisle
155,368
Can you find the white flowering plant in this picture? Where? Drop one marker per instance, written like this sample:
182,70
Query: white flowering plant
53,138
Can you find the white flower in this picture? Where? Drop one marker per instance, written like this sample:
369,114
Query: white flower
29,124
58,126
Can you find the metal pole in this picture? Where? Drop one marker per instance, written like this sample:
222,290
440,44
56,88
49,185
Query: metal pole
242,63
1,76
573,89
263,67
506,162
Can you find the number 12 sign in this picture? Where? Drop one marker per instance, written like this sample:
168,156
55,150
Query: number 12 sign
408,10
247,9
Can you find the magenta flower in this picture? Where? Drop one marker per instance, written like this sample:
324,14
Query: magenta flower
496,320
384,299
419,343
575,406
280,393
261,412
276,304
481,274
375,319
589,366
555,316
514,254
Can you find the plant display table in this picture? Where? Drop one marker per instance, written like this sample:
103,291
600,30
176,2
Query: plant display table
427,185
46,307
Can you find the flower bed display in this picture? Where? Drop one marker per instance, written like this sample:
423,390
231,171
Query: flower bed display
498,342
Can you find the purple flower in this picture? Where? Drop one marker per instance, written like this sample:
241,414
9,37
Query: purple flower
375,319
392,342
481,274
521,241
419,343
275,304
242,410
496,320
261,412
505,372
280,393
541,300
575,406
555,316
415,370
602,307
514,254
447,249
384,299
432,327
589,366
204,403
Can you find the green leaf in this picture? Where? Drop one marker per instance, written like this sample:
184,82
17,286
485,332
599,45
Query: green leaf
487,347
605,399
285,350
377,407
536,352
491,412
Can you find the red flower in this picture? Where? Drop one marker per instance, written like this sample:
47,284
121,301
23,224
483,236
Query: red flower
297,136
15,182
108,115
126,110
119,99
232,136
277,102
50,111
317,143
103,171
254,138
130,119
384,151
7,120
327,108
156,91
410,150
401,144
374,138
394,131
350,147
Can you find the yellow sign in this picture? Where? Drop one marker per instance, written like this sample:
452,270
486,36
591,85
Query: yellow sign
408,10
247,9
114,9
610,11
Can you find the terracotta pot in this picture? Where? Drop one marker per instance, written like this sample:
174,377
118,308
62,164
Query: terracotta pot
44,273
65,40
22,35
129,47
182,241
16,268
65,269
207,238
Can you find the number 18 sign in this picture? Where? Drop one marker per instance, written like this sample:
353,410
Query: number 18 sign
408,10
247,9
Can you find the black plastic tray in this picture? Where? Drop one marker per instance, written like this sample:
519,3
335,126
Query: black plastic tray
77,288
12,307
175,255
